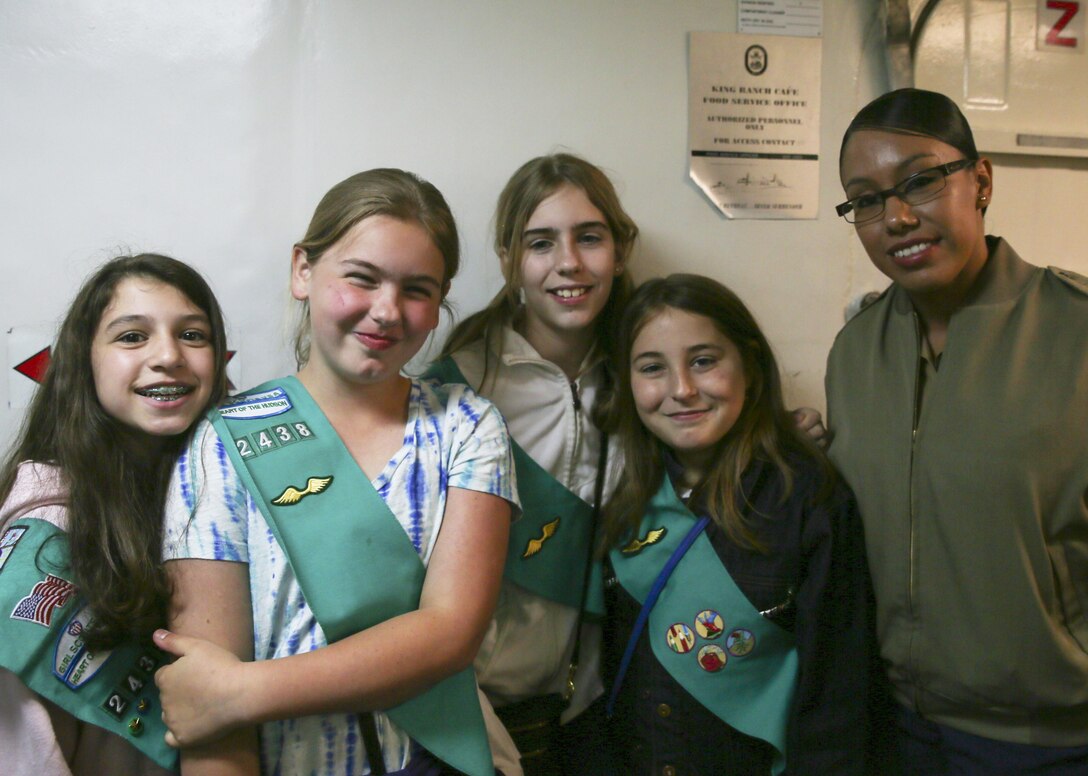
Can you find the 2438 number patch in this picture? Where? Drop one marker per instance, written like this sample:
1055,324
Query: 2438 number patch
273,438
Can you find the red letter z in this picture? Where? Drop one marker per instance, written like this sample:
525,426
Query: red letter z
1069,9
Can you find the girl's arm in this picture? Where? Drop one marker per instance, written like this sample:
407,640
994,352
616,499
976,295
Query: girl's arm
374,669
211,601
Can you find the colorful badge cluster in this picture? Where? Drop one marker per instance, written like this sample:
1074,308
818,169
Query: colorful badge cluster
709,626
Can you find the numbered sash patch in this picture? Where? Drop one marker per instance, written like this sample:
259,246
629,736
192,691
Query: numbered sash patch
273,438
116,704
119,700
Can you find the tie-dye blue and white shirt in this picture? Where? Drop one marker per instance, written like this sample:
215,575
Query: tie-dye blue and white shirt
453,438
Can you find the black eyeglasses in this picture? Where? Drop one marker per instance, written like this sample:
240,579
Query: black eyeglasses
918,188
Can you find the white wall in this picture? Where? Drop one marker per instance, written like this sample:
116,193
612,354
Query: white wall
209,129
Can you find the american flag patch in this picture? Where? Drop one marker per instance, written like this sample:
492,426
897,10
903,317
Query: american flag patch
46,597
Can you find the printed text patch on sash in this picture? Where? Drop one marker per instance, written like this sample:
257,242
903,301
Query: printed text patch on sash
73,663
8,541
257,405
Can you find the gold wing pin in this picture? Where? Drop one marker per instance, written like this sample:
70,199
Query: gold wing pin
536,545
652,537
292,495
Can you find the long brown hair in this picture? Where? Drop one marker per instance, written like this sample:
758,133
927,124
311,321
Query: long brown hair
531,184
115,497
764,430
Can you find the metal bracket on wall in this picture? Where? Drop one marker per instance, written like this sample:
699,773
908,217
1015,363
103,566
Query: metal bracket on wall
901,40
897,42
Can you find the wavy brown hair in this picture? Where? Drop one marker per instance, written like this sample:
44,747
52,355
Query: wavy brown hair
531,184
115,493
764,430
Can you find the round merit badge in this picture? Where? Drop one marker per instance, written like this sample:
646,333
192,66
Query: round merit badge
708,624
712,658
680,638
740,642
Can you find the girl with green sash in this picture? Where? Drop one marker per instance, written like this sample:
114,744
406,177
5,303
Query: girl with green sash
541,351
739,637
337,537
138,358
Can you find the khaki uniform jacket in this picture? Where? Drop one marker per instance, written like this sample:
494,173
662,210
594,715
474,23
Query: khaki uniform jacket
976,512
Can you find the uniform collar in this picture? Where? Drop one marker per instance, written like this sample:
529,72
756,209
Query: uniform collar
1004,277
517,350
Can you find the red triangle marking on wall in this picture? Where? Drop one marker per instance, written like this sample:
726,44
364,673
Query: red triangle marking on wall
35,366
230,355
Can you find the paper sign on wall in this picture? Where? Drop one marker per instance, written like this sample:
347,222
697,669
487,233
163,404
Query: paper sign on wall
754,131
780,17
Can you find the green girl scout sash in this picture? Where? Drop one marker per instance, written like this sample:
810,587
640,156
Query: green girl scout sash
551,541
41,622
703,629
352,558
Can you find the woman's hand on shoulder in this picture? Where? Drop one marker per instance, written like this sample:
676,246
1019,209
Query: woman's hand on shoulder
809,421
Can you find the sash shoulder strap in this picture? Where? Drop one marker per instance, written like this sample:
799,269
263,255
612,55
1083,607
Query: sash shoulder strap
354,561
554,534
337,532
702,628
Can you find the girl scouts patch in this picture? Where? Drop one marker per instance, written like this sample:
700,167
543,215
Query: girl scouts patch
709,624
740,642
256,405
712,658
680,638
10,538
73,664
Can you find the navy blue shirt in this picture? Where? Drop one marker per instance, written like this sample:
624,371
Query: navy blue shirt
813,581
